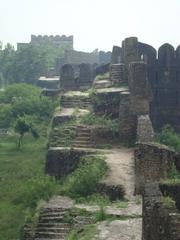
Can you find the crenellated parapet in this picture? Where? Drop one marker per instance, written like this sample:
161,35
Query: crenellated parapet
56,41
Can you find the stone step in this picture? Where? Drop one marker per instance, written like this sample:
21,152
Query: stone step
83,134
50,235
57,225
51,219
52,214
62,238
83,146
83,138
83,129
52,229
81,141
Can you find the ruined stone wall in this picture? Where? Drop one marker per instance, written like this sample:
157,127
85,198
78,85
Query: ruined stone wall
116,56
127,120
160,222
106,103
60,162
67,78
152,163
164,77
86,75
77,57
75,77
139,88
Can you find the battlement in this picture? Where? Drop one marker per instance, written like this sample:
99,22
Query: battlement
56,41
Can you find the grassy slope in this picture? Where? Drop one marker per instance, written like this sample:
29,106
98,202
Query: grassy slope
16,168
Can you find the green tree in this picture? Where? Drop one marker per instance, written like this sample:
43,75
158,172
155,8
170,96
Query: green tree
23,126
6,62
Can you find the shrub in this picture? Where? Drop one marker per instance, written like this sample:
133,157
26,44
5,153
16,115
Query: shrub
169,137
84,180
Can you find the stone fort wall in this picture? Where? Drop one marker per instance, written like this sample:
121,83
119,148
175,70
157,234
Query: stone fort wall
163,74
159,221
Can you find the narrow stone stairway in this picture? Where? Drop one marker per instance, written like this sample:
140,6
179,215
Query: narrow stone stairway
51,223
59,137
84,103
83,137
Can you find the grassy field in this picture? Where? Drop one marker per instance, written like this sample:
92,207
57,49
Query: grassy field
22,183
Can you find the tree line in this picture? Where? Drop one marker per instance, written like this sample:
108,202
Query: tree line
27,64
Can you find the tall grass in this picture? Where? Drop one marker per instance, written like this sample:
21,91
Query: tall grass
22,183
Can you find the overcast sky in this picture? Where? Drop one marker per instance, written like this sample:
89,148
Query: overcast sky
94,23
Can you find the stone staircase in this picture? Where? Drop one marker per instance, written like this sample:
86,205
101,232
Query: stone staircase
28,232
62,137
83,137
80,221
102,83
51,223
73,102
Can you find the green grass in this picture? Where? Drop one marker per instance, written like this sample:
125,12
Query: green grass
100,121
95,199
168,202
22,183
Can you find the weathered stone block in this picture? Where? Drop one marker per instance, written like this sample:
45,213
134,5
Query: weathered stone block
152,163
139,87
145,132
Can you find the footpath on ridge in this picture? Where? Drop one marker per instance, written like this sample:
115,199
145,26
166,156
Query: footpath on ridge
120,162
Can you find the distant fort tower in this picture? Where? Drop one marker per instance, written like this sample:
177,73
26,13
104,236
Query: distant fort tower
56,41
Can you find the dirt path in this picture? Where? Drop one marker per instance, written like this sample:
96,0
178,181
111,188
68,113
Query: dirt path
129,229
121,169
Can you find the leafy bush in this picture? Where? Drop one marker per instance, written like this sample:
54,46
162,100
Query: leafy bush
84,180
169,137
19,91
23,99
6,115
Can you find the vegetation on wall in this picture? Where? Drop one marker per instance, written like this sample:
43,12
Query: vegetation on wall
104,124
169,137
84,180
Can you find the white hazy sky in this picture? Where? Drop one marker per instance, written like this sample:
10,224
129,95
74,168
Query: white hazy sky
94,23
